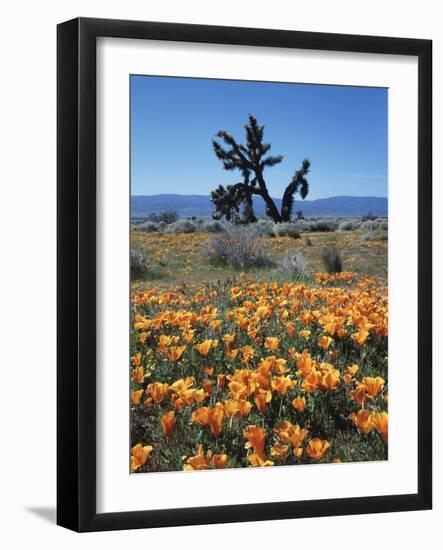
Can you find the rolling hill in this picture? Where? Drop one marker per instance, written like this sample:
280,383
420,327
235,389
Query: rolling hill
200,206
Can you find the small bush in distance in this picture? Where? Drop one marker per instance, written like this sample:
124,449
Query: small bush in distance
286,230
349,225
332,260
265,228
169,216
182,226
214,226
240,247
293,267
323,226
149,227
368,217
139,264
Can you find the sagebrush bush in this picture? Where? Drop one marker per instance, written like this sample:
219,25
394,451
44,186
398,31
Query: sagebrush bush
378,235
182,226
265,228
323,226
292,267
286,230
169,216
349,225
149,227
139,264
370,225
240,247
214,226
332,260
368,217
302,225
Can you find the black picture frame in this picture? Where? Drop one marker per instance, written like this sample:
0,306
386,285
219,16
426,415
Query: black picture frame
76,266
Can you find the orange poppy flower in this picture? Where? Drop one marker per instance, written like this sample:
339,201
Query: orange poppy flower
362,420
231,353
358,394
207,386
244,407
360,337
215,419
256,439
279,451
297,435
373,386
281,384
138,375
139,455
324,342
317,448
158,391
299,404
380,422
258,461
237,390
175,352
350,372
204,347
167,422
262,398
136,396
330,380
272,343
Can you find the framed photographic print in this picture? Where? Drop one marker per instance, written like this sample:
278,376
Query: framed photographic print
244,274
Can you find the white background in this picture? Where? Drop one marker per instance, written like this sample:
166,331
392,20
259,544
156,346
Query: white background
27,218
117,490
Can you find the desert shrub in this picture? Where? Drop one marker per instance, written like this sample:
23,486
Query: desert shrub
332,260
286,230
149,227
368,217
349,225
302,225
213,226
383,225
378,235
323,226
169,216
265,228
139,264
308,241
240,247
292,267
182,226
369,225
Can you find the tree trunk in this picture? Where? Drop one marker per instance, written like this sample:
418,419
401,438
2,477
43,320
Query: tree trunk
271,208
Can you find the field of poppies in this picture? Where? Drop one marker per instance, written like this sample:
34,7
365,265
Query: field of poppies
243,368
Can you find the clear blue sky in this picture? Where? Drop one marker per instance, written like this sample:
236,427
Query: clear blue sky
342,130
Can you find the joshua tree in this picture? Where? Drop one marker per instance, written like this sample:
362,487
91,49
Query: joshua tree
251,161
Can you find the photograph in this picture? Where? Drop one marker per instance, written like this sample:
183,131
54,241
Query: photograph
258,262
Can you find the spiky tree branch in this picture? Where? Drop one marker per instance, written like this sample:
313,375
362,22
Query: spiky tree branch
251,160
298,183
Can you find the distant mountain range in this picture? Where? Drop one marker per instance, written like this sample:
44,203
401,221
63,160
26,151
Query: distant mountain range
200,206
